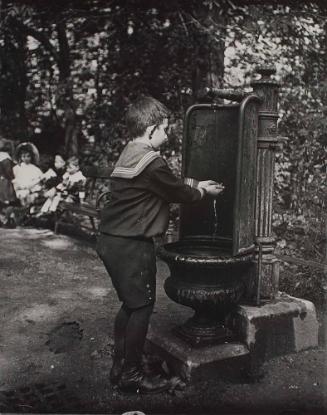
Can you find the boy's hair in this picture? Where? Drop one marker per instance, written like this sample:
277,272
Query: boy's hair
144,112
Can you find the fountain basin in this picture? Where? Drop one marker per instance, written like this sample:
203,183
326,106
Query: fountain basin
207,278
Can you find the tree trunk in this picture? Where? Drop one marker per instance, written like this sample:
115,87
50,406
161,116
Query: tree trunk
64,55
71,131
22,84
209,40
71,124
13,79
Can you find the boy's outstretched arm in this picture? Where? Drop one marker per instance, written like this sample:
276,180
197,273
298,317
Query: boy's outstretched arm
165,184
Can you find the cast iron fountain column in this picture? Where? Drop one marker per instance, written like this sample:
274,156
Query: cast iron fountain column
268,265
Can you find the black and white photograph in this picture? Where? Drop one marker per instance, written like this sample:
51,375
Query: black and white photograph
163,192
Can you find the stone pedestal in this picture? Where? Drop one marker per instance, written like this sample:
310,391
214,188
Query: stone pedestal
195,364
285,325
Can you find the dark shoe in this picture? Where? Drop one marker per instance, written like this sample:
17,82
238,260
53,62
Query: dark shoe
133,380
115,371
153,365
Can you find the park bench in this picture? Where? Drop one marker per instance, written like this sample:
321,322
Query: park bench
97,191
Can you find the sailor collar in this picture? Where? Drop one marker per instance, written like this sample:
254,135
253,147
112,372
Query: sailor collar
135,157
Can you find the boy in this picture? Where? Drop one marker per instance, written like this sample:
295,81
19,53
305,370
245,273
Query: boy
142,188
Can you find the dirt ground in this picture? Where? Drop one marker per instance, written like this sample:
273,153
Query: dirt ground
56,318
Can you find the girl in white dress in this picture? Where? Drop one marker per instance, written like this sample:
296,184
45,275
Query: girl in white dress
27,176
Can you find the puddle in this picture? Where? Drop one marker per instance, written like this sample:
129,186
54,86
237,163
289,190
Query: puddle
65,337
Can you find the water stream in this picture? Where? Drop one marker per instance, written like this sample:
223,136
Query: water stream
215,227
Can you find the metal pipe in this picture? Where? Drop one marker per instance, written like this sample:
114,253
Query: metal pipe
259,275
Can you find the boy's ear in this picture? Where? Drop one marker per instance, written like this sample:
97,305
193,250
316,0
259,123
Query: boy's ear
150,129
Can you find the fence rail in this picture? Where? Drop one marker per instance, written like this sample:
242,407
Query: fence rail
304,262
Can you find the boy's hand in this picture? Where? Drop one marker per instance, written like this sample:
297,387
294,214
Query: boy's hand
206,183
211,187
214,189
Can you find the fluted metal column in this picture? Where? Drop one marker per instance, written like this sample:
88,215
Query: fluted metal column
267,89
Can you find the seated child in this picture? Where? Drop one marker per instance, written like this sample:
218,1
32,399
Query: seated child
27,176
54,173
71,189
7,192
73,183
52,177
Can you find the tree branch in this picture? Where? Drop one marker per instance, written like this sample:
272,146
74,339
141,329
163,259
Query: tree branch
63,55
39,36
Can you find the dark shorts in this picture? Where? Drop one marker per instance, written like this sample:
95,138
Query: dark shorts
131,264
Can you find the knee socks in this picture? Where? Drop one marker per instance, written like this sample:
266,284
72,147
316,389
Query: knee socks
120,325
131,326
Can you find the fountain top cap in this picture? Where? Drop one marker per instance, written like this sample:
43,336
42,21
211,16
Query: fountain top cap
266,70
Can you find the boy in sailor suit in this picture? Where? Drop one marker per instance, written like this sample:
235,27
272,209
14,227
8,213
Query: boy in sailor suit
142,187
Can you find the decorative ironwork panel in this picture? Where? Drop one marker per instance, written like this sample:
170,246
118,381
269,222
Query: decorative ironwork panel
220,144
210,152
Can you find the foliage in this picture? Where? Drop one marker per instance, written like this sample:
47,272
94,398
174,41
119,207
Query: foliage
294,38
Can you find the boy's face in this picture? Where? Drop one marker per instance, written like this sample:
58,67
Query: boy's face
26,158
159,135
